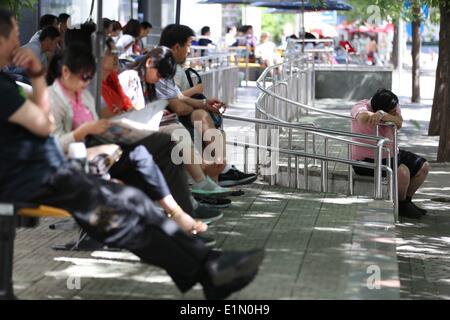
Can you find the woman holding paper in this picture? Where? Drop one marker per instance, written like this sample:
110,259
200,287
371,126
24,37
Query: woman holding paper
156,64
75,120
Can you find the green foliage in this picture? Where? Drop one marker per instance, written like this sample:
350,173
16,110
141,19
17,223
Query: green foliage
392,9
274,24
16,5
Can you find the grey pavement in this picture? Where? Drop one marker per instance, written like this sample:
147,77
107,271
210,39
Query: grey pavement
318,246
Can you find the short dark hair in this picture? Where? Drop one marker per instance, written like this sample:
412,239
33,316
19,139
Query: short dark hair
146,25
175,34
106,23
49,33
132,28
205,30
116,26
81,35
6,23
384,100
162,60
47,20
63,17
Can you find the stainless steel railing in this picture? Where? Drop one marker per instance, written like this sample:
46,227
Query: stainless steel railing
220,75
287,89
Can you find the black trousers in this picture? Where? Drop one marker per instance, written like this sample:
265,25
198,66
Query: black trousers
123,217
160,145
136,169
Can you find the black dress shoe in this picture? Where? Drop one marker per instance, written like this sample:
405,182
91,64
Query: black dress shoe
229,272
421,210
408,210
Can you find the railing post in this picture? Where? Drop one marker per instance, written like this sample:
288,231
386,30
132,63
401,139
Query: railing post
324,175
289,158
378,164
351,190
246,158
394,174
297,185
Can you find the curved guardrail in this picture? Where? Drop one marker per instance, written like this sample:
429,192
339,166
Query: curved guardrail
287,90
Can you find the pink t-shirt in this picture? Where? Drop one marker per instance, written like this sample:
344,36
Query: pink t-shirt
81,114
360,153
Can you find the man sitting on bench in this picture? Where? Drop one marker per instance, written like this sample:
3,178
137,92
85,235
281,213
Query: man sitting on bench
412,169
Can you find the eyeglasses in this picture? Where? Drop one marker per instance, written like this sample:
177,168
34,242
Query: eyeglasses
86,77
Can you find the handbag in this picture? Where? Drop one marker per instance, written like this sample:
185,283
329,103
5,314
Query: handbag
217,119
102,158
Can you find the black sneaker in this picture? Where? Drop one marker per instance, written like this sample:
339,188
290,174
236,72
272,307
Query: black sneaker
234,177
207,214
220,203
408,210
229,272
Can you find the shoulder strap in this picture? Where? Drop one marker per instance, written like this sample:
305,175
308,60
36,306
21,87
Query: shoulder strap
189,76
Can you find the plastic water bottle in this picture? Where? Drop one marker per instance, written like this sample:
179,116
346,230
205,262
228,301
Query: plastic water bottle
78,154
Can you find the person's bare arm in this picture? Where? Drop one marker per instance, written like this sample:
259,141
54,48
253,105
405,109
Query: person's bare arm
397,119
34,119
25,58
197,89
180,108
35,113
375,118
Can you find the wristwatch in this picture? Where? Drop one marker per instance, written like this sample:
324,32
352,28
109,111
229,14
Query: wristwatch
204,102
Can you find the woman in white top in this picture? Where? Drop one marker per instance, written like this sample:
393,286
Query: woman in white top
131,32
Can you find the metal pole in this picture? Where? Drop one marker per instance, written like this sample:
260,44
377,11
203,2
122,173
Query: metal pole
246,159
178,12
395,177
302,25
325,168
351,191
99,39
377,178
289,158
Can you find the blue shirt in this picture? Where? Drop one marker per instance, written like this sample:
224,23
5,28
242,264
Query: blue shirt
26,160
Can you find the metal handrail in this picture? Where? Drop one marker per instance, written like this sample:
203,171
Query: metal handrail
301,66
309,129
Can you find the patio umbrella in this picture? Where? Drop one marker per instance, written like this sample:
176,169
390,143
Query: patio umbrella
326,5
306,5
225,1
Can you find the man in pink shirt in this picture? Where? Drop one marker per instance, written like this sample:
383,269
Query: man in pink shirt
412,169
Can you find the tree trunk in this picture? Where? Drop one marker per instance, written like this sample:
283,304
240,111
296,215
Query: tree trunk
394,57
416,48
442,100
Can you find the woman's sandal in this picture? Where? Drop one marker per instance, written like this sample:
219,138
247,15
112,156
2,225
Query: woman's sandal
197,228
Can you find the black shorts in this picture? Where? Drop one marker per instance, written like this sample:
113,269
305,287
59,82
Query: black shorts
187,123
412,161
